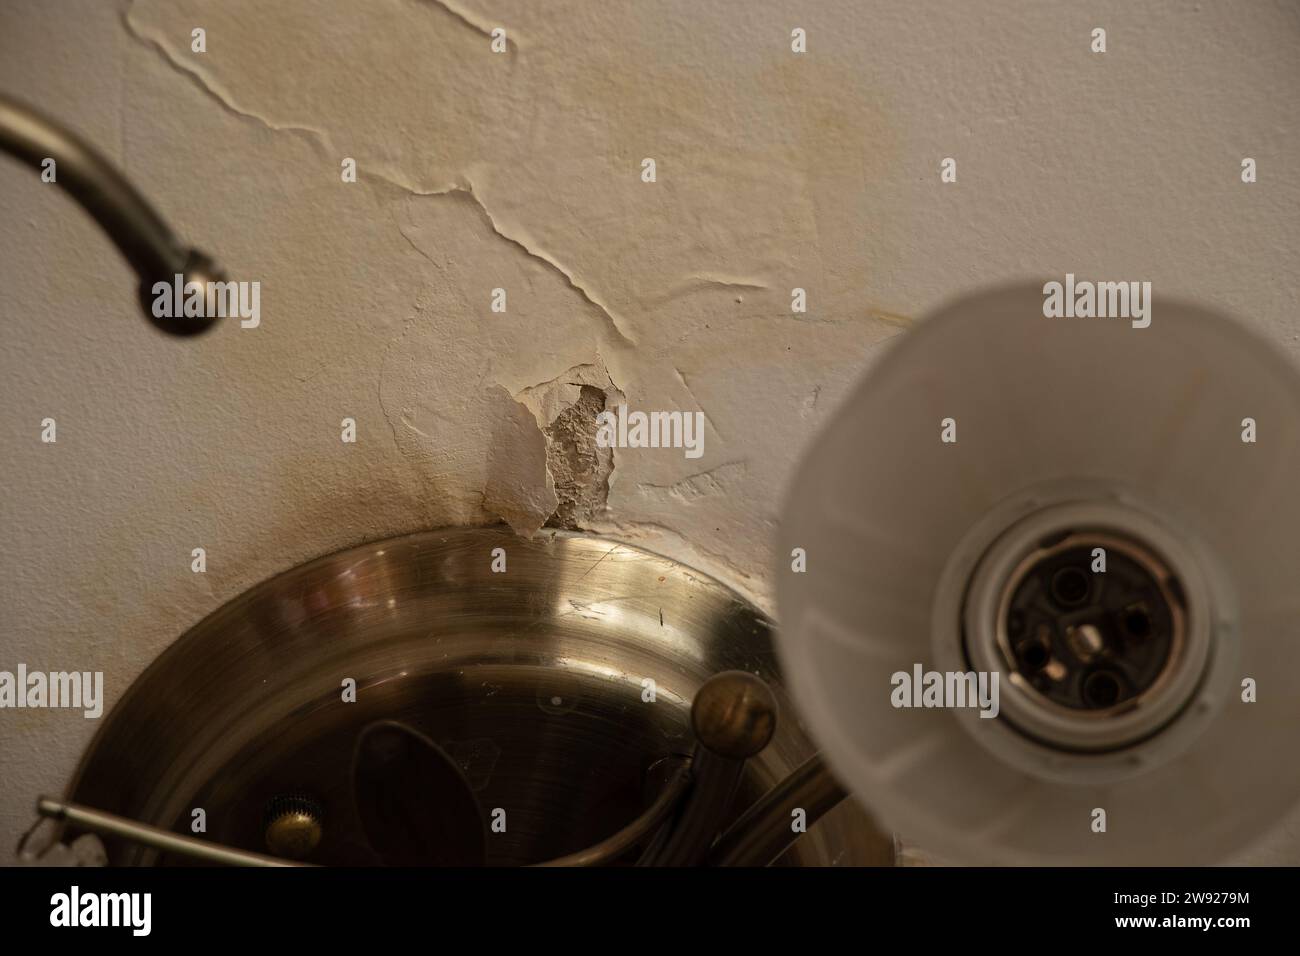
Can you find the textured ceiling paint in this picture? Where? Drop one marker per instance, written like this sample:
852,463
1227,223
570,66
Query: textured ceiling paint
521,171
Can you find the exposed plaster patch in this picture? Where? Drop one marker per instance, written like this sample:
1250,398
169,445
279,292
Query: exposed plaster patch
547,400
564,410
578,467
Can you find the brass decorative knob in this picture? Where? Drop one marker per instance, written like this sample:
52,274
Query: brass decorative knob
294,826
734,715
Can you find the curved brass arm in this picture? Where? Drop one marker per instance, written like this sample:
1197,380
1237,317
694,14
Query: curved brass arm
136,229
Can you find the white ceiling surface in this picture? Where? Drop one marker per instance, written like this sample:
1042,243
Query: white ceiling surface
521,170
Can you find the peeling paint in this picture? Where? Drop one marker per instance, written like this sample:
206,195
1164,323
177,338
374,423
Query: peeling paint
519,485
520,170
472,21
530,249
209,86
564,410
322,139
715,481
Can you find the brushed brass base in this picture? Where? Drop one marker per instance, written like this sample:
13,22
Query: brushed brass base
557,685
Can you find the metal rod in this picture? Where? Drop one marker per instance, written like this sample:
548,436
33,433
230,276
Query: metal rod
108,824
734,717
613,847
141,235
764,831
702,812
